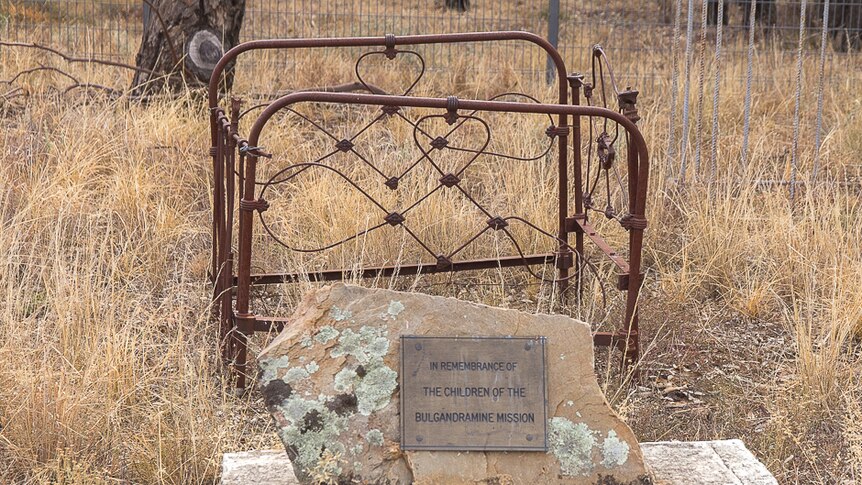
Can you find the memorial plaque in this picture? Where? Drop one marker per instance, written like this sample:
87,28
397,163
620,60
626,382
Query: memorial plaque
473,393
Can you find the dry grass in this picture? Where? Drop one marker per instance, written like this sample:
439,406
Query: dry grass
108,367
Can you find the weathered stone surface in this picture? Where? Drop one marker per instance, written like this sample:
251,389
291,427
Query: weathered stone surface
725,462
256,467
330,381
672,463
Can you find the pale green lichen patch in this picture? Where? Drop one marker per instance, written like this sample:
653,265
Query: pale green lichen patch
294,408
270,368
306,342
348,344
311,429
294,374
375,389
312,367
393,310
615,452
325,334
339,315
366,346
572,444
375,437
377,348
344,380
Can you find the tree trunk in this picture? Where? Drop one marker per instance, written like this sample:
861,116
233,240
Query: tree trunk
183,41
459,5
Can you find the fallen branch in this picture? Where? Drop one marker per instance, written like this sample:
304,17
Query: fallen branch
9,95
38,69
113,92
68,58
76,83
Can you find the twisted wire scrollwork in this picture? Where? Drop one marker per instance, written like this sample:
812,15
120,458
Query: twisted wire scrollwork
427,144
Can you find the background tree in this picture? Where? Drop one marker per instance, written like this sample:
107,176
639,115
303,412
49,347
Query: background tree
459,5
184,39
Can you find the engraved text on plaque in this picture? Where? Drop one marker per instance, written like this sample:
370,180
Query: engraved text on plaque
473,393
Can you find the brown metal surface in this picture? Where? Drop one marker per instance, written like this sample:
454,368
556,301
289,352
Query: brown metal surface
403,270
238,190
473,393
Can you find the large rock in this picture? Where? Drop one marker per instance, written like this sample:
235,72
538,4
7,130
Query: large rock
331,383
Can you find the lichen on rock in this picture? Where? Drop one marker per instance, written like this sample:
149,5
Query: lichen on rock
270,368
374,391
368,345
615,452
325,334
294,374
375,437
339,315
393,310
365,384
572,444
311,429
371,379
344,380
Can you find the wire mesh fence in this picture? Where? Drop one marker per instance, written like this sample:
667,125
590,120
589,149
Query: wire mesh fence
112,28
707,60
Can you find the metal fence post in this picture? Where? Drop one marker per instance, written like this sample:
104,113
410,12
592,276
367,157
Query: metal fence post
553,35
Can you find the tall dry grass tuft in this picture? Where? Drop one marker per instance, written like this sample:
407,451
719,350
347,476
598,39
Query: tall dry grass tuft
108,366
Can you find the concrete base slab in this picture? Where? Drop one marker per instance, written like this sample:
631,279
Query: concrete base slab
723,462
262,467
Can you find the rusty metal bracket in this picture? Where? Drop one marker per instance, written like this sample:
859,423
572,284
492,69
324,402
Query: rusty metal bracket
259,205
450,180
443,262
245,323
625,341
254,151
390,110
576,80
623,281
628,104
573,223
497,223
565,259
451,115
555,131
633,221
389,43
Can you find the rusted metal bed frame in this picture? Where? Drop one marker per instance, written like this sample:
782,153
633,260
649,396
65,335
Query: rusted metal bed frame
235,160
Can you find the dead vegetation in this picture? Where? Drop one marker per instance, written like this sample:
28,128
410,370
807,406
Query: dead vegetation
108,363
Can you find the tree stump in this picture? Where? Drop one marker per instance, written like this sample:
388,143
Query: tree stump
183,41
